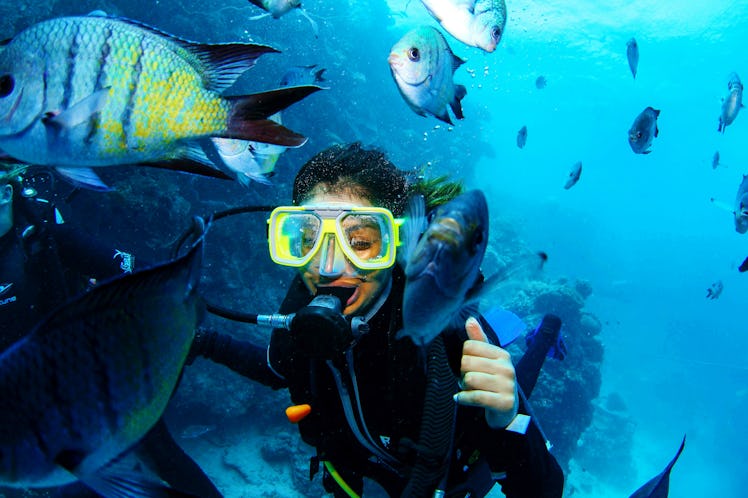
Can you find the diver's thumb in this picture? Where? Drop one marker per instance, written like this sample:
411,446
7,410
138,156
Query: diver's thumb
474,330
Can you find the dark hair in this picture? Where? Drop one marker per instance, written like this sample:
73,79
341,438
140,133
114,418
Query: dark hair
364,172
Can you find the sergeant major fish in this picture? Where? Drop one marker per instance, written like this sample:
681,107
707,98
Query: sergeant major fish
643,131
94,377
98,91
731,104
632,54
478,23
443,265
423,65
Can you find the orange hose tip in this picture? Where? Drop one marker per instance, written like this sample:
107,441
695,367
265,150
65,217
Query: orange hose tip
297,413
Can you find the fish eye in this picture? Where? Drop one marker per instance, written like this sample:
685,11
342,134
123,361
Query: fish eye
496,33
7,83
414,54
638,134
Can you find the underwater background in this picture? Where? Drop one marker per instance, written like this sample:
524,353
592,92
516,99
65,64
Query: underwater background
633,247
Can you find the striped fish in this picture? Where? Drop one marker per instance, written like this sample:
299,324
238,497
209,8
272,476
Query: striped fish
89,382
423,65
97,91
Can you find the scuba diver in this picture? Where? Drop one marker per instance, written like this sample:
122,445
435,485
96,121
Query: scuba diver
375,407
44,261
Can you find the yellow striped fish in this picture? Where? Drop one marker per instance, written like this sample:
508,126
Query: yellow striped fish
97,91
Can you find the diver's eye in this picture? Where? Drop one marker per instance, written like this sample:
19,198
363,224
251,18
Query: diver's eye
496,33
414,54
7,83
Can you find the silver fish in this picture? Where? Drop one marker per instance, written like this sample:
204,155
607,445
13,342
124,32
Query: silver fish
478,23
278,8
741,207
423,65
97,91
93,378
574,174
522,137
632,54
731,104
443,266
643,131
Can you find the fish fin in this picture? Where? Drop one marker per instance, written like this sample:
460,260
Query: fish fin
189,165
659,485
263,179
85,178
315,28
225,62
249,113
220,63
260,16
456,62
258,3
444,116
79,112
415,224
460,93
318,78
506,325
646,151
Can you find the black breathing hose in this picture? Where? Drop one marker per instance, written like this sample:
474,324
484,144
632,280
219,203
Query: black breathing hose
437,425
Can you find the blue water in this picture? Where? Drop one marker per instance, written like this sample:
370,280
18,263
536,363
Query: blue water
640,228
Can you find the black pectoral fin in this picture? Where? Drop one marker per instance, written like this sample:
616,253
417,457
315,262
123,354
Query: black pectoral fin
456,106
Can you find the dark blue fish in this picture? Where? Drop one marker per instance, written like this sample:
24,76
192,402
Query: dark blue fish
744,266
541,82
632,54
643,131
303,75
659,485
522,137
93,378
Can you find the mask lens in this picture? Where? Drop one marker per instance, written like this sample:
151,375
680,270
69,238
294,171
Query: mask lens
367,238
295,236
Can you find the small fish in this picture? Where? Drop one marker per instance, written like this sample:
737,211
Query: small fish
94,377
247,160
95,91
195,431
541,82
522,137
743,266
659,485
715,290
423,66
303,75
715,160
643,131
443,265
731,104
741,207
632,54
278,8
574,174
478,23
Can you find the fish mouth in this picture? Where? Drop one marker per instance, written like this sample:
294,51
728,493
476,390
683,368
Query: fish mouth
396,63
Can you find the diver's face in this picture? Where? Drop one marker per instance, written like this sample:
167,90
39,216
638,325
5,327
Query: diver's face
367,285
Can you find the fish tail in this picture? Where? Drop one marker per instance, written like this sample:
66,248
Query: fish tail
460,92
248,116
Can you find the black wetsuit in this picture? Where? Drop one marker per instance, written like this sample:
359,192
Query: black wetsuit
391,381
43,264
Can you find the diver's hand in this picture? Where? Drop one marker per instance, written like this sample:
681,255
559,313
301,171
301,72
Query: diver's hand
488,377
